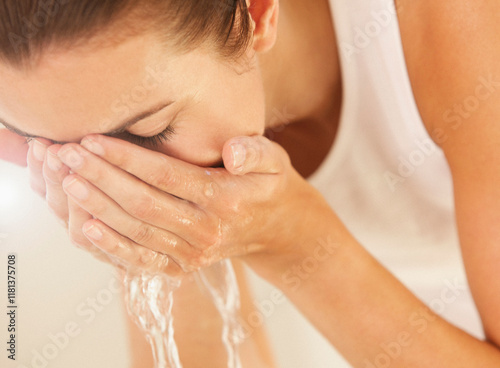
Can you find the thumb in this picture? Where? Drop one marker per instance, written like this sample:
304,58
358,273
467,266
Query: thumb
243,155
13,148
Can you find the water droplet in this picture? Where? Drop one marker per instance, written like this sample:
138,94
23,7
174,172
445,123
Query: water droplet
209,190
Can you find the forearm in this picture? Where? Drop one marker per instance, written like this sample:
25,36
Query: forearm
366,313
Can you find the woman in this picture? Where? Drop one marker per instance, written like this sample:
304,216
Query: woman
207,89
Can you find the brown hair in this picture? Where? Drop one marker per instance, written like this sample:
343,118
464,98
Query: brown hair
29,27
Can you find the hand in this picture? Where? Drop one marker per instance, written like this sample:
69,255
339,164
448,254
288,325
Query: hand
158,213
13,148
47,173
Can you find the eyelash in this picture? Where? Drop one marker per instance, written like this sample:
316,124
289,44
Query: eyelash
154,141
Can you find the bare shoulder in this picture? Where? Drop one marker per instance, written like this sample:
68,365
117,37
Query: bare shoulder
452,50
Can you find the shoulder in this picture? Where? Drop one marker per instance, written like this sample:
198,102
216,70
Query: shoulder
452,49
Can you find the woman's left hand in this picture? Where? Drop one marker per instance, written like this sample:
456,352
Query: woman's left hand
13,148
158,213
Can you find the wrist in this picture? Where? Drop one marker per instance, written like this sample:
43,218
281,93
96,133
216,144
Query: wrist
308,240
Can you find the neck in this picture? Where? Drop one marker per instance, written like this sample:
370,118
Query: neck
302,72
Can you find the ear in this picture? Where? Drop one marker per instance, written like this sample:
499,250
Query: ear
265,14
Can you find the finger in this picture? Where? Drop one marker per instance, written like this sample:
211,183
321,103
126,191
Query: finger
54,172
77,218
139,200
257,154
13,148
36,157
168,174
128,254
109,212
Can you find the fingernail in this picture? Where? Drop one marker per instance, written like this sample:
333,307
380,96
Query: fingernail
92,146
39,150
71,157
53,161
239,156
77,189
93,232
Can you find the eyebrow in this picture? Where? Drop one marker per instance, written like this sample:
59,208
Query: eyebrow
121,128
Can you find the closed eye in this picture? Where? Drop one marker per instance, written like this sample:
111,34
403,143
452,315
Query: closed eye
149,142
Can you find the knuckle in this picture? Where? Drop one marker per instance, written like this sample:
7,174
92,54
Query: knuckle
202,231
208,239
256,156
164,179
98,210
52,181
211,239
130,255
253,155
143,234
259,145
190,262
168,266
196,264
268,155
160,263
97,175
51,177
144,207
119,160
147,259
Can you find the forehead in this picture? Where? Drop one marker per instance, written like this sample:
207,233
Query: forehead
77,92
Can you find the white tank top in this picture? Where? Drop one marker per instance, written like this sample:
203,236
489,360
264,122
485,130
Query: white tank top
387,181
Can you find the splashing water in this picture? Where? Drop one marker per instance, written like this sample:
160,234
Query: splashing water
150,300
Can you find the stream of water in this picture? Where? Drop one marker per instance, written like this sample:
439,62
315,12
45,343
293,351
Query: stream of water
150,299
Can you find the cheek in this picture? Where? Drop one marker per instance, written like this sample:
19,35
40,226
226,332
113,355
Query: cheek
202,144
197,150
214,119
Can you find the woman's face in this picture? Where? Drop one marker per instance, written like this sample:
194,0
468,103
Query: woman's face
194,99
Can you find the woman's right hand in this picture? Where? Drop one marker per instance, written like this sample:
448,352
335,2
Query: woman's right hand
44,180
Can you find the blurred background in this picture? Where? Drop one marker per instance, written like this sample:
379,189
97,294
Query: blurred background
61,291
